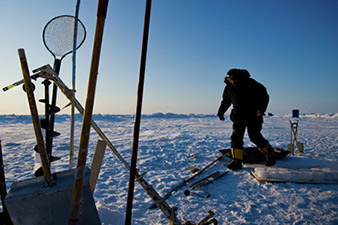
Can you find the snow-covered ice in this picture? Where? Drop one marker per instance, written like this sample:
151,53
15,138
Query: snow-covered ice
167,144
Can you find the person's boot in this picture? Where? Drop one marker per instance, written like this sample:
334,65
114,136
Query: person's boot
270,158
235,165
237,158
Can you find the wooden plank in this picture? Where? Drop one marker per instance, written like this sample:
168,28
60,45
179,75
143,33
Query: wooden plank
96,163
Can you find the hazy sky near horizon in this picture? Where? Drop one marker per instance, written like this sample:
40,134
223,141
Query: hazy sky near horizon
289,46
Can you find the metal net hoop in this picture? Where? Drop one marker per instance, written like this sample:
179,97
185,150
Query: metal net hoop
58,35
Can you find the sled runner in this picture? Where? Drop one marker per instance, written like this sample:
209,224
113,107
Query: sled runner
298,169
300,176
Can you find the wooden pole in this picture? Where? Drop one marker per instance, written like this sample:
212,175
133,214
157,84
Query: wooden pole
87,118
35,117
138,114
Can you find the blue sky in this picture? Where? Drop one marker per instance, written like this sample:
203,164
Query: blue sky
289,46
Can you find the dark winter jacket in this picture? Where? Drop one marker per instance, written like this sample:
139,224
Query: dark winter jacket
247,97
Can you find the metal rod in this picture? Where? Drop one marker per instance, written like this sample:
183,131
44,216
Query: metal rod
72,114
138,114
51,120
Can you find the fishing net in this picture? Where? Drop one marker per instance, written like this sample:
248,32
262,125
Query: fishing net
58,35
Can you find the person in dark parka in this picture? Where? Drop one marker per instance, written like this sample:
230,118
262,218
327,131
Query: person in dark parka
249,100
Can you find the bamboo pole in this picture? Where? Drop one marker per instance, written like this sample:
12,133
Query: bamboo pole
35,117
138,114
87,118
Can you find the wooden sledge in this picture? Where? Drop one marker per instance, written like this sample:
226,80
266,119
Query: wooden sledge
299,162
299,176
297,169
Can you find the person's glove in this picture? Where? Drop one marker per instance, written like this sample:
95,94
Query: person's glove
260,113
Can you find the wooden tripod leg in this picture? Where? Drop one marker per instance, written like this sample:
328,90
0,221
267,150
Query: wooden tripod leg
34,114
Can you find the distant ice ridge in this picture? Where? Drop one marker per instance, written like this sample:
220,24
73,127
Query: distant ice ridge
312,115
319,115
25,119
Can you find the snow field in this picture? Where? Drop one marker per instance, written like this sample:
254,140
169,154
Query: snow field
167,145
